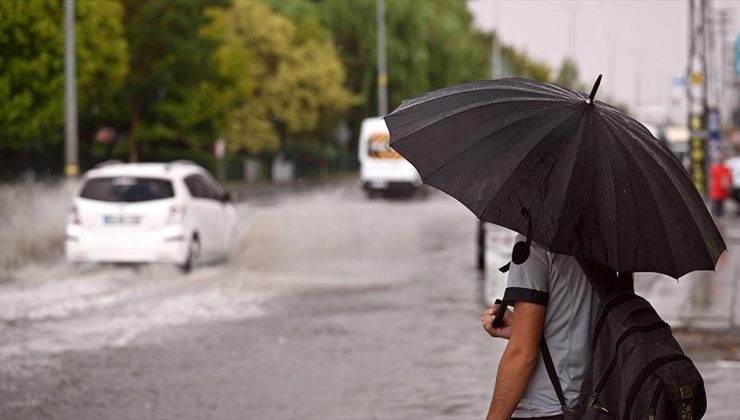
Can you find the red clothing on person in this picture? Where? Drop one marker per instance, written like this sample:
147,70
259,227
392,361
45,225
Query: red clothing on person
720,180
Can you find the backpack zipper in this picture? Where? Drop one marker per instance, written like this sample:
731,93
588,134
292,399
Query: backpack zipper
654,401
646,372
647,328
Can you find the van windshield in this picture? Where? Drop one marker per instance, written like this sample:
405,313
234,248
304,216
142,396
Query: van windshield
127,189
378,148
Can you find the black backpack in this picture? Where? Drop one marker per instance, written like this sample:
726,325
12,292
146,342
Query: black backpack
639,370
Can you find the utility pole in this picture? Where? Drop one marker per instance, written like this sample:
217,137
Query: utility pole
497,68
572,9
726,68
382,72
71,167
696,94
713,83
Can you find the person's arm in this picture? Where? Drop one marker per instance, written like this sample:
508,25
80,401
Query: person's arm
518,361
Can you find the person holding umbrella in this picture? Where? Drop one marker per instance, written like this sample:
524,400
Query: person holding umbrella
552,296
591,193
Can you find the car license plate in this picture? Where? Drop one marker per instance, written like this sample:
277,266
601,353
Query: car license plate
121,220
378,184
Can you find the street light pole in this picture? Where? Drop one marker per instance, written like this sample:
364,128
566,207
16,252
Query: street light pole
724,21
497,68
382,73
572,10
696,93
71,167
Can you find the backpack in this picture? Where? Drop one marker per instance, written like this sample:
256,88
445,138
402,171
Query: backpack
639,371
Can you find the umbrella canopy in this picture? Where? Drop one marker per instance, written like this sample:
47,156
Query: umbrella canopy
595,183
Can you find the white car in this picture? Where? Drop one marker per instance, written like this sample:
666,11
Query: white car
150,212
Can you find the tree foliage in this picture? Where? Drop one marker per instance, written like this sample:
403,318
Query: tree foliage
291,78
430,44
568,74
171,76
168,91
32,69
519,64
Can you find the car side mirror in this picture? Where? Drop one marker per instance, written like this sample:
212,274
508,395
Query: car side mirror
227,197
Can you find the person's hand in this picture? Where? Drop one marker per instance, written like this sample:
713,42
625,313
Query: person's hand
504,331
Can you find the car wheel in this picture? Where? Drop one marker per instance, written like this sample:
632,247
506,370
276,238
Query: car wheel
193,256
373,194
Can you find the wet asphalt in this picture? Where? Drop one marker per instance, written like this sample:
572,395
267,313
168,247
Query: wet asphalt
333,306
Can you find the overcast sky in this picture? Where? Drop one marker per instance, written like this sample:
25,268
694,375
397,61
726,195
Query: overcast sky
640,46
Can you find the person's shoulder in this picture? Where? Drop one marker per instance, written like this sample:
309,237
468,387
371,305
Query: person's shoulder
534,247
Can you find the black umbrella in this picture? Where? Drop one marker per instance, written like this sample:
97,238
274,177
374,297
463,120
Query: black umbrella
593,182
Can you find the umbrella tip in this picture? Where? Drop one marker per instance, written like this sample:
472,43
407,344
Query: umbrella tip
593,91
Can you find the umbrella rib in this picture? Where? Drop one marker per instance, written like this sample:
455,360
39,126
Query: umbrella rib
652,188
572,168
452,158
614,114
671,189
547,173
447,115
611,129
482,85
613,211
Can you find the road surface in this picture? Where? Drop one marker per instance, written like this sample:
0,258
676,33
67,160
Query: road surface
332,307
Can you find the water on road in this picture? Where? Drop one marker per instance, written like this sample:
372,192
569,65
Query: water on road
331,307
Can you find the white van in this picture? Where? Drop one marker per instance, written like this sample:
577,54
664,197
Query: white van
382,169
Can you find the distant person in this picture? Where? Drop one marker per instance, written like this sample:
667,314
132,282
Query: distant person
734,165
720,182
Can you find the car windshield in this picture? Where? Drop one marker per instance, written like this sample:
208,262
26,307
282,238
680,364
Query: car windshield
127,189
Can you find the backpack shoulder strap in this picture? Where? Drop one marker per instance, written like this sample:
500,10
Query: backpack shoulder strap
604,281
551,372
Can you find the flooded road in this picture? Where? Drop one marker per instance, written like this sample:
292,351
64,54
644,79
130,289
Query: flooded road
333,306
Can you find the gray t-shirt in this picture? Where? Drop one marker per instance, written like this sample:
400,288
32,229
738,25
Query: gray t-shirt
558,282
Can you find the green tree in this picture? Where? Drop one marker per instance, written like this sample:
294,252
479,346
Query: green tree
519,64
168,99
568,74
352,26
430,44
32,73
300,90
